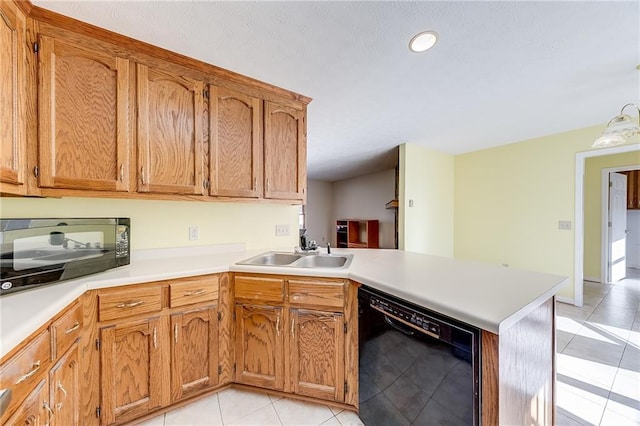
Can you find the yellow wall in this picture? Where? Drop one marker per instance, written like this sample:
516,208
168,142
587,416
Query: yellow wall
426,177
159,224
593,206
509,199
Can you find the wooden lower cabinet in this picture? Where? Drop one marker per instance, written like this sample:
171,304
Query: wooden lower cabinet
317,354
35,410
64,389
260,346
133,369
194,351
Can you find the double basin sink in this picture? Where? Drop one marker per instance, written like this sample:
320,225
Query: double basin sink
299,260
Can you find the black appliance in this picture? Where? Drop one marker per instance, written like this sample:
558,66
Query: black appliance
36,252
416,366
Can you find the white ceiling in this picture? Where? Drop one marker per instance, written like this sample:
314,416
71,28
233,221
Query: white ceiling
501,72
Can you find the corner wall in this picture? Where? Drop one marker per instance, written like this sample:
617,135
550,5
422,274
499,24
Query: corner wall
318,212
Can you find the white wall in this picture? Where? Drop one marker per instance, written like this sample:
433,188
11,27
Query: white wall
364,197
318,211
426,180
633,238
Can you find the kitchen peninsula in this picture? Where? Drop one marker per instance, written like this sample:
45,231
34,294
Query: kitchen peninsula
514,309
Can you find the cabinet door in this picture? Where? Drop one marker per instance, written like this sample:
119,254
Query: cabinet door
260,346
83,117
132,369
285,152
12,99
317,354
64,384
236,144
170,135
194,351
35,410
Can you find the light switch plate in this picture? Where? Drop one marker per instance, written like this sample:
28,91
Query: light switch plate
282,230
565,225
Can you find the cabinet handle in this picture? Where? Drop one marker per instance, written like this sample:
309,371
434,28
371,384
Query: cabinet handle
45,405
59,406
293,327
125,305
121,172
195,292
144,182
155,338
62,389
255,183
76,325
175,333
267,184
34,369
278,325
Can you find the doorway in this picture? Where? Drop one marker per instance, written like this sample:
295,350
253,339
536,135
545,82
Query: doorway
579,212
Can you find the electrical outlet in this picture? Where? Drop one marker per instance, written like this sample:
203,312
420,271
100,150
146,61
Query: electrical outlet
410,203
282,230
194,233
565,225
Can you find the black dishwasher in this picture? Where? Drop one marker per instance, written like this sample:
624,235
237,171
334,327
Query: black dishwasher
416,366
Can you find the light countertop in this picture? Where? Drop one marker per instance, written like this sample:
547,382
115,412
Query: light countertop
487,296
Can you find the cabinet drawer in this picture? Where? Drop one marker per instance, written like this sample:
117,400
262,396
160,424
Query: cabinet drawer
126,303
259,289
22,371
316,293
65,330
194,290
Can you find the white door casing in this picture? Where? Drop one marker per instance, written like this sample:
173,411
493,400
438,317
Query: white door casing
617,265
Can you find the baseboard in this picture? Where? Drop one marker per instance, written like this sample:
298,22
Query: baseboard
563,299
591,279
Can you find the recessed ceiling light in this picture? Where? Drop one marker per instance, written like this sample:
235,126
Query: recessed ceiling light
423,41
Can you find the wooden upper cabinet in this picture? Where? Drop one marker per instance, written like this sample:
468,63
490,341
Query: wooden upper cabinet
12,99
285,152
633,189
236,144
83,116
170,136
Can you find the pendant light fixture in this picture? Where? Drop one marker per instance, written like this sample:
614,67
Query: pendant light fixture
620,129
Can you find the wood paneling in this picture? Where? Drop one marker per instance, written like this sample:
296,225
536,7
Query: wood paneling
351,350
13,98
226,350
89,359
236,144
259,289
126,303
260,346
83,117
316,293
64,389
194,351
490,409
317,354
66,330
133,368
193,290
284,152
170,137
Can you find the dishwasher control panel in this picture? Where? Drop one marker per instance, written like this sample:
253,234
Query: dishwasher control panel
406,315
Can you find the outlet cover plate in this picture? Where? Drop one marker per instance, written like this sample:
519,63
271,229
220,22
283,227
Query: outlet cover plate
282,230
194,233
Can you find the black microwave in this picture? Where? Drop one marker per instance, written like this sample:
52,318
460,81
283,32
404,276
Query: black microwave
37,252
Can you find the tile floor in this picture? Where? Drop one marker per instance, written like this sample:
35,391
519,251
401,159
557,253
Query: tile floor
599,356
598,373
239,407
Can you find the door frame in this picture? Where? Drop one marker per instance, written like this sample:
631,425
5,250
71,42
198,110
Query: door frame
578,247
604,225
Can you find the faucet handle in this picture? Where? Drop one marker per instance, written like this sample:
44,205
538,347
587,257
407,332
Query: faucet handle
328,248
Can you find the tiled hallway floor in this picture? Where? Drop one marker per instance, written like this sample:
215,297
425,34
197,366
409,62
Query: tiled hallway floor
599,356
239,407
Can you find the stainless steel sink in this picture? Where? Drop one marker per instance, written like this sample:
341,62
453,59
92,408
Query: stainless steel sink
271,259
322,261
299,260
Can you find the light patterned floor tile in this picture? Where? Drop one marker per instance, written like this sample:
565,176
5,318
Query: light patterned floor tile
331,422
236,404
613,418
336,410
301,413
349,418
204,412
156,421
265,416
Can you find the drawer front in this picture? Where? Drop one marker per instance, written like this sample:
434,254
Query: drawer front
316,293
193,290
259,289
120,304
23,371
65,330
